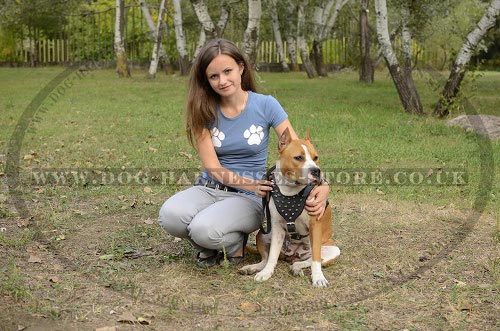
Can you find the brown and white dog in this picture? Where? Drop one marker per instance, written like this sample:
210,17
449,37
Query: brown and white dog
296,167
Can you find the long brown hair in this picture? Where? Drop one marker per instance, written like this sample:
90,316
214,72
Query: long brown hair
202,99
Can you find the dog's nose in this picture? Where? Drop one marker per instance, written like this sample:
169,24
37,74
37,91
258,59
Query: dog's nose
315,172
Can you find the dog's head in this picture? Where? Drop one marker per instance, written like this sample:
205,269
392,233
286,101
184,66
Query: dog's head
298,159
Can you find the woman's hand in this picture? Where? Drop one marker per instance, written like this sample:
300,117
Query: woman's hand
316,202
261,187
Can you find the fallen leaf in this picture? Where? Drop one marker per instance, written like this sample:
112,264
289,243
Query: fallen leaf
429,173
107,257
34,259
143,321
127,317
54,279
379,275
379,191
20,327
60,237
150,221
459,282
152,149
249,307
107,328
187,155
147,189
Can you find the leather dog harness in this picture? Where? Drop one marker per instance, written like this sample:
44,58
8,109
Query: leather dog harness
289,207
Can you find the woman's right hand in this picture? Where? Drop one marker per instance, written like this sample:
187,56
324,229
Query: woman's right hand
262,186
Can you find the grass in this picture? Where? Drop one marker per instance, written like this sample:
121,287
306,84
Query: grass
386,232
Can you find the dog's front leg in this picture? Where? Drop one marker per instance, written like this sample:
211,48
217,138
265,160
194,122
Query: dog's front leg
318,279
277,237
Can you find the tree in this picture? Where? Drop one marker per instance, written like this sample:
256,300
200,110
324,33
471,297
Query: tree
153,67
35,19
323,21
291,32
251,35
121,55
153,36
180,39
201,10
366,72
277,34
400,76
459,67
301,40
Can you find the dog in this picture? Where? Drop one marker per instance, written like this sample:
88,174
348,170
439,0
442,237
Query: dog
296,170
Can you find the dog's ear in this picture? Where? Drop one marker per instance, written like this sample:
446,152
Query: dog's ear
308,136
284,139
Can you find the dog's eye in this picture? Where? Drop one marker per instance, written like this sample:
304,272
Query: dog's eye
299,158
315,158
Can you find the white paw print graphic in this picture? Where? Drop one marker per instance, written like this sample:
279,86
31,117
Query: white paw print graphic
254,135
217,137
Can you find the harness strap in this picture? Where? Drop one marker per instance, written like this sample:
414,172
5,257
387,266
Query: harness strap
265,204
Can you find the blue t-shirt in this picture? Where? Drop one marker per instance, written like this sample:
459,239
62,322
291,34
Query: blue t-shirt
241,142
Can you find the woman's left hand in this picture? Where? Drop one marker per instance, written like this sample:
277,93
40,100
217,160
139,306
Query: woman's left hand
316,202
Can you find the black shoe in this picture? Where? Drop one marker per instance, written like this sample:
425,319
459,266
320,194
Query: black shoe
207,262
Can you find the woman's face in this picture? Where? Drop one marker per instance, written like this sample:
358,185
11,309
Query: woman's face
224,75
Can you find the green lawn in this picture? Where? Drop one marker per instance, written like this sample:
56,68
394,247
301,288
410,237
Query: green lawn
85,234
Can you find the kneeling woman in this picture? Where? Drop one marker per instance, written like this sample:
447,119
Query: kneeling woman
229,125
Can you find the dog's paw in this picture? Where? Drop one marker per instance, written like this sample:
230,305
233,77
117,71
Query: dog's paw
297,270
263,276
247,270
319,281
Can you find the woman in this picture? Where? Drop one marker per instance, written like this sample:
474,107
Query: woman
229,124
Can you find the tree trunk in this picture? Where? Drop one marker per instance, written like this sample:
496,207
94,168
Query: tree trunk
459,67
324,20
180,39
277,35
251,36
201,41
301,41
201,10
163,56
121,56
153,67
224,17
367,70
290,35
407,94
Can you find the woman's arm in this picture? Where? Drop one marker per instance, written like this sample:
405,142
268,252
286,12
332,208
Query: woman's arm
206,152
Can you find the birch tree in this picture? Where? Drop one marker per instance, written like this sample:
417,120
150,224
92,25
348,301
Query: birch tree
366,72
324,19
277,34
291,32
201,10
459,67
162,54
251,35
153,67
180,39
121,56
404,83
301,40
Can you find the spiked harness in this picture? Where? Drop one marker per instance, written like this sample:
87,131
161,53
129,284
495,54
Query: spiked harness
289,207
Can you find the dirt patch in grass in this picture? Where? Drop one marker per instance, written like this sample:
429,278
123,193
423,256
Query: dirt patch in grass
79,267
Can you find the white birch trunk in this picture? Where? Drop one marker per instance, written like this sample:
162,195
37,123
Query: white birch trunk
290,35
163,56
201,41
224,17
323,21
459,67
180,39
406,37
277,35
121,56
201,10
301,41
404,84
251,35
153,67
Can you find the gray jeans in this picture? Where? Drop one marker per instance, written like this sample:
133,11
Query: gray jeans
211,219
